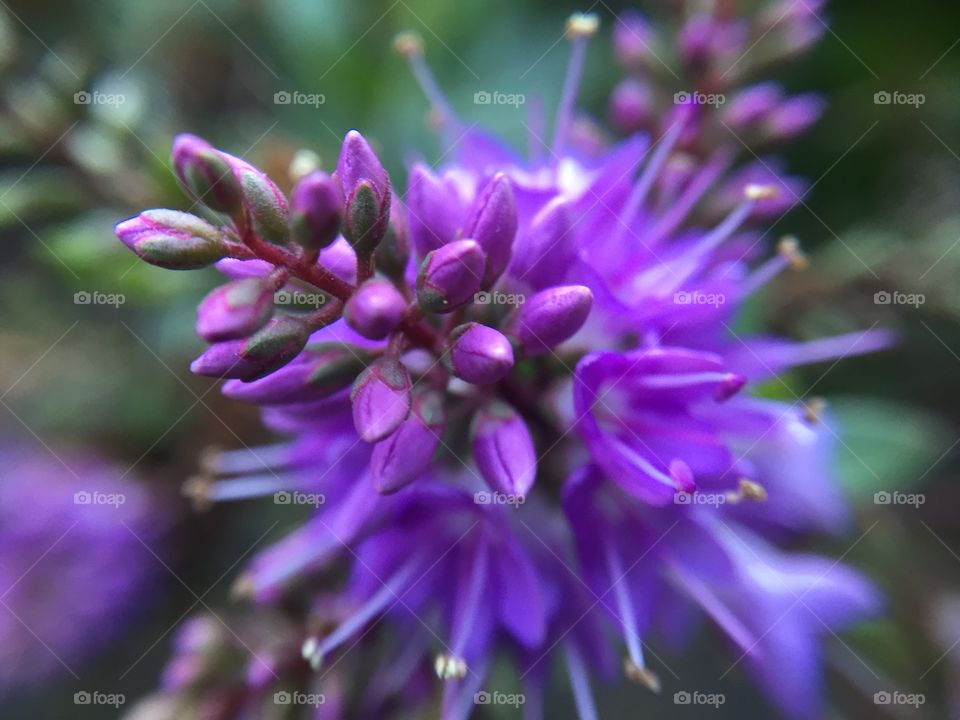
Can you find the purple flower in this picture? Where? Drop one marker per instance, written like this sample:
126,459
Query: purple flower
597,359
73,571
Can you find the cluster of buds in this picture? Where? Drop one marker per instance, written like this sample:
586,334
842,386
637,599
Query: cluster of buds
407,332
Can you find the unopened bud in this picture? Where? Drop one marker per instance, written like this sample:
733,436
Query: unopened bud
402,457
450,276
381,399
478,354
235,310
551,317
492,223
172,239
316,208
503,450
375,309
205,174
279,342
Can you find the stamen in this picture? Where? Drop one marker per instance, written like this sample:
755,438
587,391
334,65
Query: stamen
580,27
643,676
748,490
204,490
372,607
788,255
813,410
729,225
468,600
680,208
631,634
410,45
646,180
246,460
580,684
830,348
755,191
449,667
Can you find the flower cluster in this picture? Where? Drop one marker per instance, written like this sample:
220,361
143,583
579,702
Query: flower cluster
519,392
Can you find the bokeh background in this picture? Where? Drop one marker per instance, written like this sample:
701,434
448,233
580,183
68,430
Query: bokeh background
884,215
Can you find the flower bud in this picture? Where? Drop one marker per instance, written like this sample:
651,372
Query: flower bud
793,117
366,187
493,224
752,105
250,358
264,201
548,250
478,354
235,310
504,451
631,105
402,457
394,250
436,210
381,399
316,207
317,374
631,40
551,316
172,239
450,276
205,174
375,309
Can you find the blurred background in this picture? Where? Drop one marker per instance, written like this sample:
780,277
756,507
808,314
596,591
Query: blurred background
94,346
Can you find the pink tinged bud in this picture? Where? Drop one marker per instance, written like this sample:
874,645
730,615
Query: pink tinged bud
631,40
435,210
366,187
794,117
205,174
279,342
729,387
504,451
172,239
682,475
407,453
552,316
752,105
450,276
631,105
493,224
318,374
478,354
235,310
547,249
264,201
316,208
381,399
375,309
393,251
